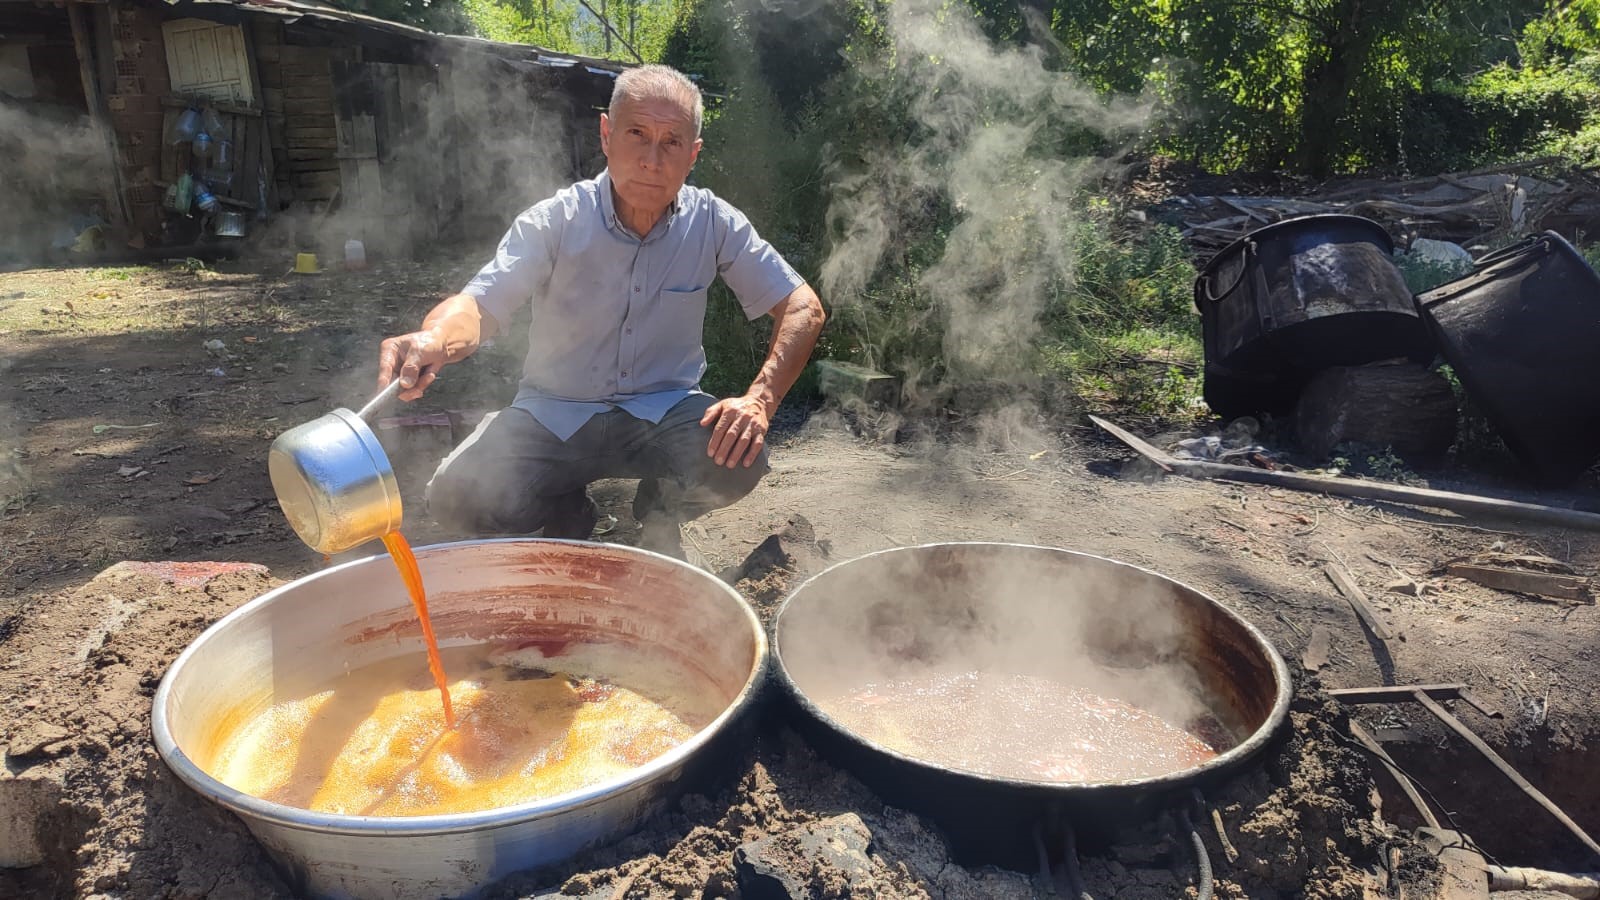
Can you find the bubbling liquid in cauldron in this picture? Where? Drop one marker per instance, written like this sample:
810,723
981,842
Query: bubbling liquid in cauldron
1018,726
374,741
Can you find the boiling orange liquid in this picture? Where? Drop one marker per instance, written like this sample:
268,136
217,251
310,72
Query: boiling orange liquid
406,562
368,742
1018,726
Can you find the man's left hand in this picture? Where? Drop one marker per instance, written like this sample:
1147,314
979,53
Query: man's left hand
740,430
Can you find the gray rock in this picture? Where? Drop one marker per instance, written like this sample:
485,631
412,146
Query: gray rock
825,857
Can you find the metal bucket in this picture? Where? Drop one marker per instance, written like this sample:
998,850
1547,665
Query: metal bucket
1024,610
356,614
230,224
1521,332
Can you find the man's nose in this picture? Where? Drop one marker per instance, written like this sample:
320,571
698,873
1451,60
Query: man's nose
652,156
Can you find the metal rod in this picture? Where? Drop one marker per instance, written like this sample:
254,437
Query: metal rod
1399,775
1471,737
1204,881
1360,490
1404,693
1045,874
376,403
1471,699
1075,885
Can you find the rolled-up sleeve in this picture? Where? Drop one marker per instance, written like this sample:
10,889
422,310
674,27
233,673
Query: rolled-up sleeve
521,266
755,272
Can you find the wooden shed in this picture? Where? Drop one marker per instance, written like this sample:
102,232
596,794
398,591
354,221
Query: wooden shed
400,135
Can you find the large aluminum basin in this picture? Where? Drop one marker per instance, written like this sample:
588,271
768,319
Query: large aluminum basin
540,592
1035,611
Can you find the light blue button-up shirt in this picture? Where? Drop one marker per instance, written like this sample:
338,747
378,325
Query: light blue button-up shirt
617,320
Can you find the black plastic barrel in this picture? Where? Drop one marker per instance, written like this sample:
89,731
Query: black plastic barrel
1522,332
1296,297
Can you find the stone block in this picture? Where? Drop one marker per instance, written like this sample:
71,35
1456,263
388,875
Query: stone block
843,381
38,820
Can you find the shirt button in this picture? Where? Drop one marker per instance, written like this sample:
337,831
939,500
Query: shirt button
624,374
636,289
627,331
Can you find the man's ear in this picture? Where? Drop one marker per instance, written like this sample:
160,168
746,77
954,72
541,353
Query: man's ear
605,132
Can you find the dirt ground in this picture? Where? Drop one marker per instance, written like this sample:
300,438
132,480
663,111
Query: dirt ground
123,437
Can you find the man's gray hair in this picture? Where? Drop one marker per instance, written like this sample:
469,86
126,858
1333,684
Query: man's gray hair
657,82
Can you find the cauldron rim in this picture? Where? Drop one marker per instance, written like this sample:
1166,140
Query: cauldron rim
1222,762
202,782
1295,223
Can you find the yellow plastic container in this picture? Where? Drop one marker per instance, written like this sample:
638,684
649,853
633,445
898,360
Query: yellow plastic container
306,264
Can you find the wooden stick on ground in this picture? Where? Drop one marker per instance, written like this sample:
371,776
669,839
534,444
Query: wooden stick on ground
1357,598
1400,777
1360,490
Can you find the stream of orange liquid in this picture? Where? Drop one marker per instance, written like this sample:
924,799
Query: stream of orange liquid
406,562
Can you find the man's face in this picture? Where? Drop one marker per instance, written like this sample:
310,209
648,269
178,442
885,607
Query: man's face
650,147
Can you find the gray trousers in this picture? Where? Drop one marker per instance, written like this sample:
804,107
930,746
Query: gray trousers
512,476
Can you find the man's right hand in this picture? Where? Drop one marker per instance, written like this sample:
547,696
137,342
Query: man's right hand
414,358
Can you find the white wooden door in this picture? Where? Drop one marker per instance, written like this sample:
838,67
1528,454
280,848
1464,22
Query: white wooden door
208,60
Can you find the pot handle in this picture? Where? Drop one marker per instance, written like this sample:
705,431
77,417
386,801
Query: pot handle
1244,270
377,403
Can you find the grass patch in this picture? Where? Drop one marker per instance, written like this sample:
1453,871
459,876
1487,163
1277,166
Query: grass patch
1148,372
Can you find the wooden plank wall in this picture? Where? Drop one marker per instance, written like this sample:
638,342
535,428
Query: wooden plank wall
298,88
267,37
391,171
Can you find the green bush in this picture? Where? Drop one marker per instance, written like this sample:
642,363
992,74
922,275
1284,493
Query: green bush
1520,110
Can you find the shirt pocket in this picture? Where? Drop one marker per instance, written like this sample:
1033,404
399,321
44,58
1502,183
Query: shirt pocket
671,349
682,319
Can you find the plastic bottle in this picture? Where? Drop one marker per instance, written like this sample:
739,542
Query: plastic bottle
355,254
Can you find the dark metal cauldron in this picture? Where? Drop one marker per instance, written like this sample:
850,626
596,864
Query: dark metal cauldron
1521,332
1020,610
1296,297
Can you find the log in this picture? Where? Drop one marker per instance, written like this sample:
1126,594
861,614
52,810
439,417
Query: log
1361,490
1404,407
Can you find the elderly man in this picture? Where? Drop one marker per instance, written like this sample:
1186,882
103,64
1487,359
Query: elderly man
616,270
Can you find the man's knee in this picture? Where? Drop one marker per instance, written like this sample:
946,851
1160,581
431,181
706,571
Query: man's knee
718,486
734,483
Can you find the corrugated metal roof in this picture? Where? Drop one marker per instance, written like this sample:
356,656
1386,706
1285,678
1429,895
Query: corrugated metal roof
296,10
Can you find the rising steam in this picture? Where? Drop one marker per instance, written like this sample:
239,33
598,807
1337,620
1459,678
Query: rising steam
990,122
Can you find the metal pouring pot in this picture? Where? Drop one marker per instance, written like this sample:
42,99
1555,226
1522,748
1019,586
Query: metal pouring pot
334,481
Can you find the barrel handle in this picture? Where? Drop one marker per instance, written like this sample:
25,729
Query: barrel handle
1507,252
1244,270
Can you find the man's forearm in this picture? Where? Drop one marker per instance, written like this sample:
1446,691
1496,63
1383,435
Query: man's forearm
797,322
460,326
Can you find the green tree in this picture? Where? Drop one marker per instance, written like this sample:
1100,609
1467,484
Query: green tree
444,16
1309,85
566,26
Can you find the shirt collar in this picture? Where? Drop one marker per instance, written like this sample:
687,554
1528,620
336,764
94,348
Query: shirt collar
608,209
